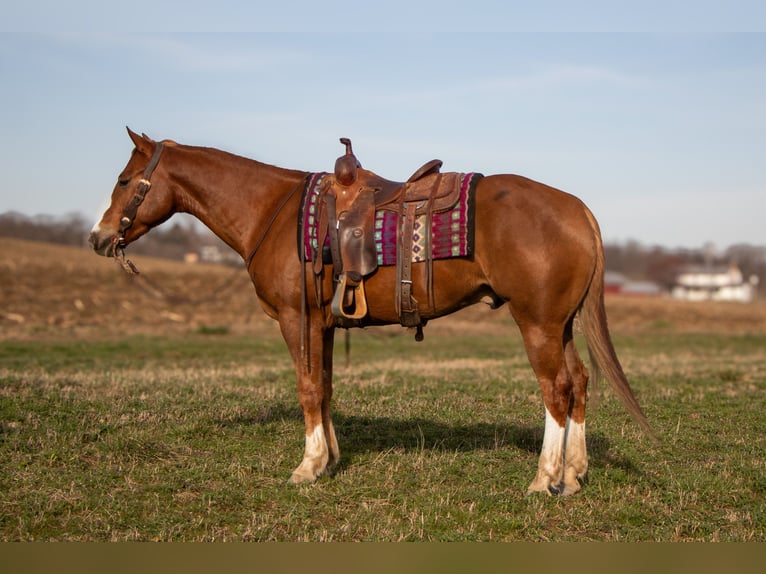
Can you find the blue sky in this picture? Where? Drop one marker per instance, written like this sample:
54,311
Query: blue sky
661,132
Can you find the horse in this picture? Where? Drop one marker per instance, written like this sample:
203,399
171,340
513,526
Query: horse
537,250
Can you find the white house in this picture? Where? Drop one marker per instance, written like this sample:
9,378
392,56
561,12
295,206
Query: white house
708,283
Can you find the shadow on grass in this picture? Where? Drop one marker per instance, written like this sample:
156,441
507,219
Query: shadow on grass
358,435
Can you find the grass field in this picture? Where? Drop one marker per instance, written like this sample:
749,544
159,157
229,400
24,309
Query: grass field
119,422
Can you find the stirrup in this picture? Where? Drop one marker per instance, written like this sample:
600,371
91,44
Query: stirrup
350,300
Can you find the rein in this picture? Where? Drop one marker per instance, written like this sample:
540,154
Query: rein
272,219
152,289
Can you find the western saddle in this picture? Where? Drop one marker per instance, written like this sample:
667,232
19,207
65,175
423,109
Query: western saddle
347,203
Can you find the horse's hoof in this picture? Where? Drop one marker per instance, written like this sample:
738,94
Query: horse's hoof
540,485
298,478
567,490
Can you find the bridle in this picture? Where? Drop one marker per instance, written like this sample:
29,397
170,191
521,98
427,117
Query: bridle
130,211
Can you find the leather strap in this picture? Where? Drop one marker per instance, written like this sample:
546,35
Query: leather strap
144,185
429,249
333,226
408,306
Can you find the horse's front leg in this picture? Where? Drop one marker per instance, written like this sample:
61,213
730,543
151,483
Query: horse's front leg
313,367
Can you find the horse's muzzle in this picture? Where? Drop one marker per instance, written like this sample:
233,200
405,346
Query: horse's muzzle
102,244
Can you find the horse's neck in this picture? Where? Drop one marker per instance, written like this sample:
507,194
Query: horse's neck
232,195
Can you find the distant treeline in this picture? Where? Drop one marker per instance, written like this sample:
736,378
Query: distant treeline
661,265
180,236
173,240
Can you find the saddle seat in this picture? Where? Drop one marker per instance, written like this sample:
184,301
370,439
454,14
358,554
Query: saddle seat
427,188
349,199
350,179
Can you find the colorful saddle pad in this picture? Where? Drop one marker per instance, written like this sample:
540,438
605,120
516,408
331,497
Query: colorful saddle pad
452,231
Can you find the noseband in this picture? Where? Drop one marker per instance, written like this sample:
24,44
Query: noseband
130,211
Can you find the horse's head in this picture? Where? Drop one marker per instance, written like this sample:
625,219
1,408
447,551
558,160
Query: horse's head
141,199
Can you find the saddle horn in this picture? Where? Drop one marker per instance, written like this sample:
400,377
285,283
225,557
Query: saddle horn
346,165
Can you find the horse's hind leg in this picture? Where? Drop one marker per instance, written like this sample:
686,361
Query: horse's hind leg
545,349
575,452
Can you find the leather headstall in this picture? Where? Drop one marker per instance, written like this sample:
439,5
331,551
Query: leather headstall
144,184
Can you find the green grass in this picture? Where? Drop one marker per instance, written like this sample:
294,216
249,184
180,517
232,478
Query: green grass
193,438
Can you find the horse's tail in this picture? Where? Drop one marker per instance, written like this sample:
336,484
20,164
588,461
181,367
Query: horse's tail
603,358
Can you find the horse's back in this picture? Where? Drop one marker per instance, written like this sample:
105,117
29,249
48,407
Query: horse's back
530,212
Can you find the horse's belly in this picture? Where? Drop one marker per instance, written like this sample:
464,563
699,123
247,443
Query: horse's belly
456,283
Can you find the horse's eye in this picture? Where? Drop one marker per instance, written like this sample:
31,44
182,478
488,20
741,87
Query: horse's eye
123,182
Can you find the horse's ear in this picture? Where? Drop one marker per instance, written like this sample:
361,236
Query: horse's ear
133,136
142,142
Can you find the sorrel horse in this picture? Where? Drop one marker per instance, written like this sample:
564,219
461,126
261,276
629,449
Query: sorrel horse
536,248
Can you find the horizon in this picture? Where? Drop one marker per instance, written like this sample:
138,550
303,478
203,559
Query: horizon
185,219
